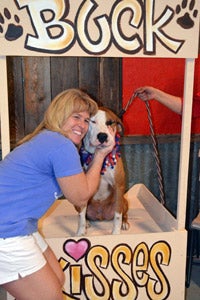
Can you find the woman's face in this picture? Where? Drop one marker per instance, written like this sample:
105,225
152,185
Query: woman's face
76,126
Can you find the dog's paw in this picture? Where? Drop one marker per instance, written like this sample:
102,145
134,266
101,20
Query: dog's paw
81,232
88,224
117,223
116,231
125,226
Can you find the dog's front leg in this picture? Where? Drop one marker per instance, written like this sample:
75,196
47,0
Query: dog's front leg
117,223
82,223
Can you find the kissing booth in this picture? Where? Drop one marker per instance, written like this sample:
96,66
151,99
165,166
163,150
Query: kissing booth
147,261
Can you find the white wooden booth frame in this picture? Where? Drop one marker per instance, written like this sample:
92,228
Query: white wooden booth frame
148,261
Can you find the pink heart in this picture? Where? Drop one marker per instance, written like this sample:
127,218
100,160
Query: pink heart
76,249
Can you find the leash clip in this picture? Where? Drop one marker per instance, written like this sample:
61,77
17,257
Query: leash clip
122,112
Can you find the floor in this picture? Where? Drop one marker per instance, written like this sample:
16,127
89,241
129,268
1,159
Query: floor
192,293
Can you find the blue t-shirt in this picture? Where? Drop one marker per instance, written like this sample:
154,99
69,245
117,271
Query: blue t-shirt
28,185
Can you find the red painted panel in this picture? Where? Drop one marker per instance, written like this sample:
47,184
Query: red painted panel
164,73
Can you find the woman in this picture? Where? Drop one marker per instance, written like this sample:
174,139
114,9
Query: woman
44,166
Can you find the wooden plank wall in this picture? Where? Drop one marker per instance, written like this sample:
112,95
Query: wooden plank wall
34,81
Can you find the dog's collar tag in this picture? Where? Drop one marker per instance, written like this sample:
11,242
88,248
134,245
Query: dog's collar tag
109,161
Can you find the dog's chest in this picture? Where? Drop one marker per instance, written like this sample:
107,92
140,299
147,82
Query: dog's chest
106,183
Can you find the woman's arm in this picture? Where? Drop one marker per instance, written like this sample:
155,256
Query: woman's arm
148,93
78,189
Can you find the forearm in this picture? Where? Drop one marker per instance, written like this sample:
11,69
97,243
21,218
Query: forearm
93,173
172,102
148,93
79,188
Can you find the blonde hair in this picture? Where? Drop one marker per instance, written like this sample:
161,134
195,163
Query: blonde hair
61,108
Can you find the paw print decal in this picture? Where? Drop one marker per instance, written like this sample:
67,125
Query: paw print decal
186,20
13,30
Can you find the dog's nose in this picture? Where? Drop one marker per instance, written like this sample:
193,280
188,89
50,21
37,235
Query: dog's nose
102,137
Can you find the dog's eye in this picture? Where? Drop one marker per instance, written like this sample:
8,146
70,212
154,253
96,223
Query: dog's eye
110,122
93,121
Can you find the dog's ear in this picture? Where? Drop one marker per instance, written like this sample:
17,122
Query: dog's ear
120,127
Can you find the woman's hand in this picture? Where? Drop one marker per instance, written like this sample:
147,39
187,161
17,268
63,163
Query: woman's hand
146,93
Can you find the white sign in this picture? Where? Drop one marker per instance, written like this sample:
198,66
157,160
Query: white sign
157,28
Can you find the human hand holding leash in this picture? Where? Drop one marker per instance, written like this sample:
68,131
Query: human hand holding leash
146,93
172,102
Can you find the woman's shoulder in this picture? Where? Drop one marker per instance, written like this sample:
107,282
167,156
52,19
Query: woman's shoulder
48,136
50,141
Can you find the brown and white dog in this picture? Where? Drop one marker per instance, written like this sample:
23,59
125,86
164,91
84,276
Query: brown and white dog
109,202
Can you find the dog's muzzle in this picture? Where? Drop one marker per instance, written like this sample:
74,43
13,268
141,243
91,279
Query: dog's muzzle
102,137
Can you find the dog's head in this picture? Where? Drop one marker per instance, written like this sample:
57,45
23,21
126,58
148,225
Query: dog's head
98,131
